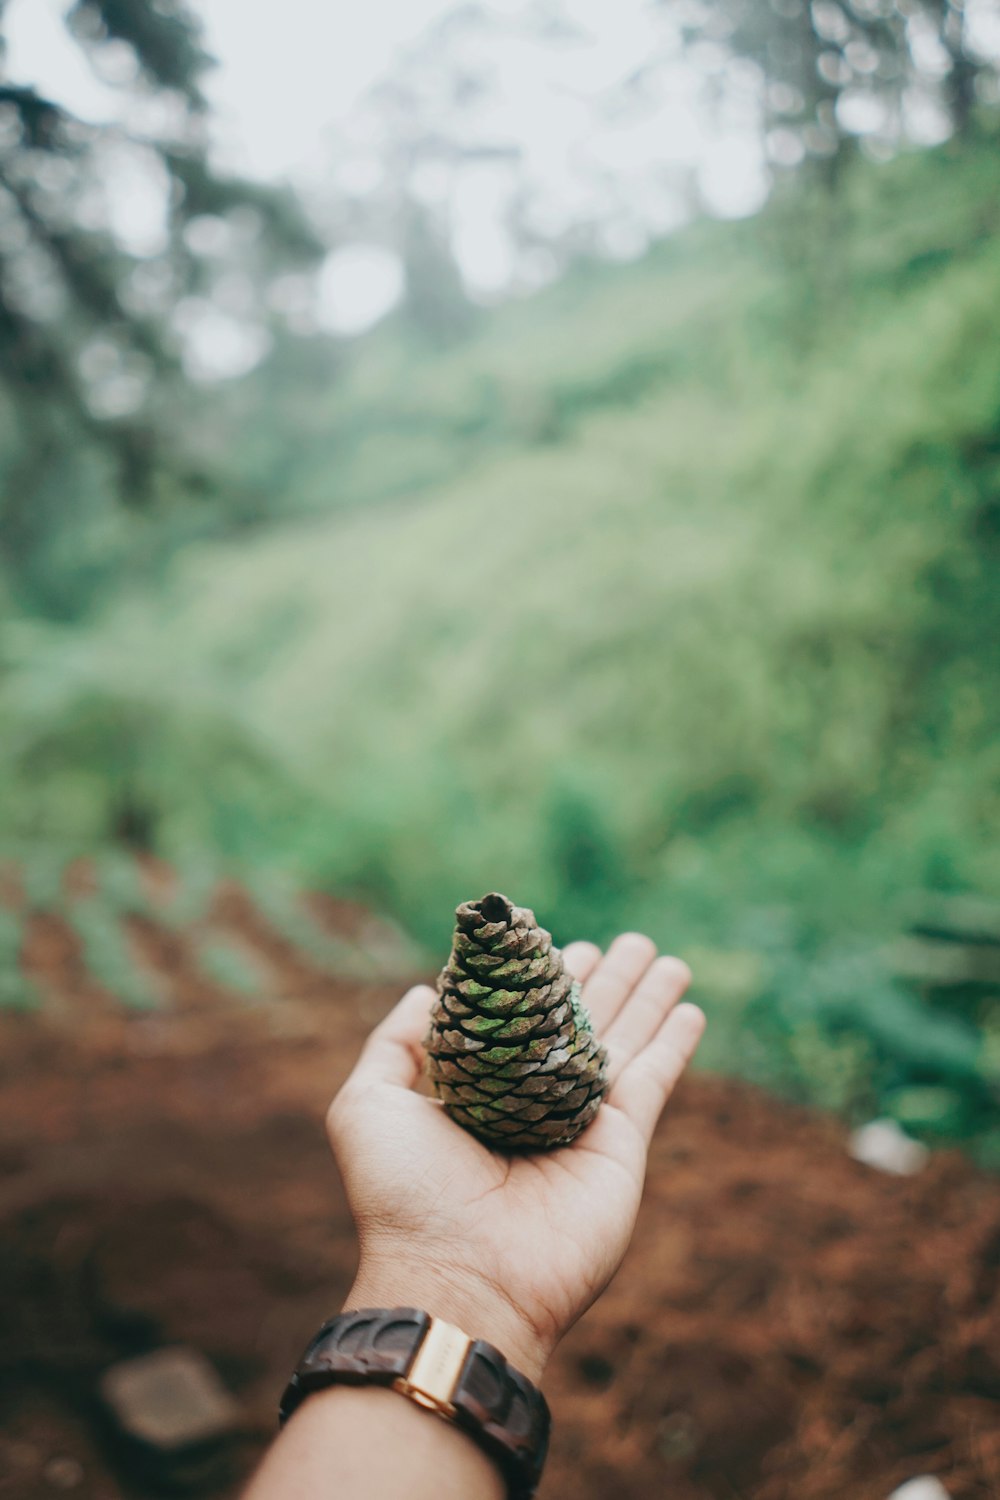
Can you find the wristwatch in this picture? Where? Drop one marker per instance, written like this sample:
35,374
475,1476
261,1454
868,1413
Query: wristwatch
464,1380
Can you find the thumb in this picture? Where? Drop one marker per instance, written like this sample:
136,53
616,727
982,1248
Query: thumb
394,1053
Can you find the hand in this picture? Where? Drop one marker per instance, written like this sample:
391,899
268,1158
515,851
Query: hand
513,1249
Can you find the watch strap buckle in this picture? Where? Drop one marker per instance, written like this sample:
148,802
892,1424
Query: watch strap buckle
437,1366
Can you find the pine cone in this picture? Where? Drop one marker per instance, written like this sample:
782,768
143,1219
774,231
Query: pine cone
511,1051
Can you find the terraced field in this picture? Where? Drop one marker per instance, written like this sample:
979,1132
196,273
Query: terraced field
788,1322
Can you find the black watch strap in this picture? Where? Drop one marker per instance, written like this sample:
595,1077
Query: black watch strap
437,1365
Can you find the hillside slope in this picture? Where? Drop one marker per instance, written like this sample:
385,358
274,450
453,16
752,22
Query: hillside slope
710,646
760,601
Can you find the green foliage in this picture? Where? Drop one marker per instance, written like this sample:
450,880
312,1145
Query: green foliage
282,907
16,990
591,877
191,901
229,964
119,883
93,414
107,956
41,868
163,39
831,1027
817,58
688,622
118,892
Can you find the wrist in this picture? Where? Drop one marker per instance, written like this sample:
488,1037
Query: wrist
470,1303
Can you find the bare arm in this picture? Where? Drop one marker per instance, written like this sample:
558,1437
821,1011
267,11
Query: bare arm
512,1249
362,1443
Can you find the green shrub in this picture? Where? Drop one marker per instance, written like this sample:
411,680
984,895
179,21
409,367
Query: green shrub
668,600
108,957
228,964
16,990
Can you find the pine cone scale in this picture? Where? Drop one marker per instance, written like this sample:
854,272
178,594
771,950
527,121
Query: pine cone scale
511,1051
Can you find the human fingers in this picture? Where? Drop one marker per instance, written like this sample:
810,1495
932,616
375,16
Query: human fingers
581,959
394,1051
645,1010
613,978
646,1083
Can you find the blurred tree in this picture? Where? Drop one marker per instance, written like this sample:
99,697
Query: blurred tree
836,70
417,114
965,64
435,166
92,325
436,303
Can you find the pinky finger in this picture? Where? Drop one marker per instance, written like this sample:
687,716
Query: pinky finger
645,1085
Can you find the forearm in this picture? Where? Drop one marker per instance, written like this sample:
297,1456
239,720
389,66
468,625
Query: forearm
369,1443
365,1443
509,1250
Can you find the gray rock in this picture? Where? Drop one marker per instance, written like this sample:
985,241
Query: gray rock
170,1400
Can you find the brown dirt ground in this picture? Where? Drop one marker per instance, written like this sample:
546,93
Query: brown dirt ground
787,1323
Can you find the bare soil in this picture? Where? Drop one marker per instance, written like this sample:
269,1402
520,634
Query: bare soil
787,1324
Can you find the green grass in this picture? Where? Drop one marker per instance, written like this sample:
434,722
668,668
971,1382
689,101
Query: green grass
41,869
685,626
16,990
120,884
228,964
190,903
107,956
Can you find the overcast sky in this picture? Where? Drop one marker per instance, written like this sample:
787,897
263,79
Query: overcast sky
292,75
288,98
289,70
318,61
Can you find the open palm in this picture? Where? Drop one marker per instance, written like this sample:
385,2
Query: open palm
513,1248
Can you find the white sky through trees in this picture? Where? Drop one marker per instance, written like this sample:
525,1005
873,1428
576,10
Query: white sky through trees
585,115
288,94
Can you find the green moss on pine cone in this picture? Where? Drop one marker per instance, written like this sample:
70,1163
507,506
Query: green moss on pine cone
511,1051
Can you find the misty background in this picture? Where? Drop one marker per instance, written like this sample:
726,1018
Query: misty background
544,447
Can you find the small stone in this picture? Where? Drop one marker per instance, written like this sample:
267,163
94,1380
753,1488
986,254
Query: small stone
881,1144
63,1473
170,1400
925,1487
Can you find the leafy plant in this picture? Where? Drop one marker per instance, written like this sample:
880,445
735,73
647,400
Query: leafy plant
16,991
120,883
710,651
228,964
42,871
108,957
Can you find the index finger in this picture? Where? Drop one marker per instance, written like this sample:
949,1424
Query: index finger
581,959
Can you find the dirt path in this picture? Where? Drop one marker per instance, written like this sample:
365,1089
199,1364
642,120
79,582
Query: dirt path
787,1324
